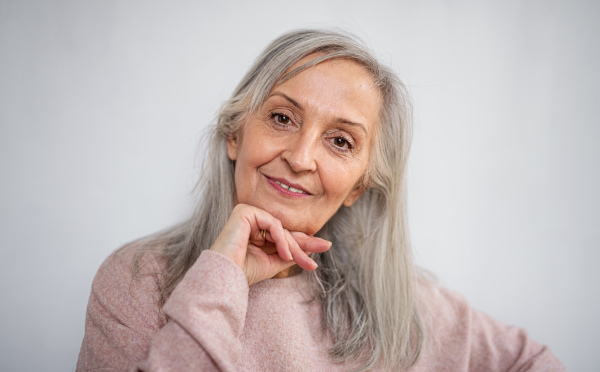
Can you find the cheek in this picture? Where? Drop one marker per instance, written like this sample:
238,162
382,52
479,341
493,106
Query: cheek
253,153
341,179
256,155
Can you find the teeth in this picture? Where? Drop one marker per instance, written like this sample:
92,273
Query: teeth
292,189
283,185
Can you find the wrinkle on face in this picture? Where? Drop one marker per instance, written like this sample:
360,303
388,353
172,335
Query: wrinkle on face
326,104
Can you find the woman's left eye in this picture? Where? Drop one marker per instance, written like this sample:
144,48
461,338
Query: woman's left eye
342,143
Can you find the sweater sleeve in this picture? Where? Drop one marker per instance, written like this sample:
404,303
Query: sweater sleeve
496,346
469,340
207,312
198,328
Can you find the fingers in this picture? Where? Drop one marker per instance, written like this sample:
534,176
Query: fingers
305,262
263,266
275,233
251,238
305,244
287,253
261,227
300,257
311,243
277,264
297,246
244,225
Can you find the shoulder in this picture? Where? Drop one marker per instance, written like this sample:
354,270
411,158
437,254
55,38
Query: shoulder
472,339
123,312
133,261
438,303
128,282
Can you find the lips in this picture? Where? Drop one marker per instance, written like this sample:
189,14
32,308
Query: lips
288,186
292,189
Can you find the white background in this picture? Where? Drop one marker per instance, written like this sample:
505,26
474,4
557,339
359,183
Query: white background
102,104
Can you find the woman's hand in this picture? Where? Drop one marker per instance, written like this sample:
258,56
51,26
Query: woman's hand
262,258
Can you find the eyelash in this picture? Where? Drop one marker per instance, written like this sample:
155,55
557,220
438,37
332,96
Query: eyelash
347,142
275,115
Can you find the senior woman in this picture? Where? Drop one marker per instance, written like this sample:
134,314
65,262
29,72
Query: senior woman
297,256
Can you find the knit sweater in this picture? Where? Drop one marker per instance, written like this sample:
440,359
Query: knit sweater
213,321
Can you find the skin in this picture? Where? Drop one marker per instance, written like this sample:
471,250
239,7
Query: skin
298,158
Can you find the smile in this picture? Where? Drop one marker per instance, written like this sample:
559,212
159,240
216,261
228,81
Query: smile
287,188
290,188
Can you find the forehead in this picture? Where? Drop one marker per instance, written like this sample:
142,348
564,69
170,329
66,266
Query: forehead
341,86
306,60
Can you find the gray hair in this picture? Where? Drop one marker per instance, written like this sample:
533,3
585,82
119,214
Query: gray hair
366,281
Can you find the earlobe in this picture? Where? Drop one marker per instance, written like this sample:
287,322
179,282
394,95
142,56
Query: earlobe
232,148
353,196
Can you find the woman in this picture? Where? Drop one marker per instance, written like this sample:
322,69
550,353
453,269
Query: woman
305,169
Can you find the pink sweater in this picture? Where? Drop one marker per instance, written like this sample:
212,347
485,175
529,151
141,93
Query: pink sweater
214,322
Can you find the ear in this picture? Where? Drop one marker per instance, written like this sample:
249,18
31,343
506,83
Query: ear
354,195
232,148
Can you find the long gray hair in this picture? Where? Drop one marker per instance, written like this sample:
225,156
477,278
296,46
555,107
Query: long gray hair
366,281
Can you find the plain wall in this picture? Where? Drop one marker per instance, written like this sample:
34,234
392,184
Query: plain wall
102,104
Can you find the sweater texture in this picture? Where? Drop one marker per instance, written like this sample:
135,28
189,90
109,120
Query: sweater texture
213,321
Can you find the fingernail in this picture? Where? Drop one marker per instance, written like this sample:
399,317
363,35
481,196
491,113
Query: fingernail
314,263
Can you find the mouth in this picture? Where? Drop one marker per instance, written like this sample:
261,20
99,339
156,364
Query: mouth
287,187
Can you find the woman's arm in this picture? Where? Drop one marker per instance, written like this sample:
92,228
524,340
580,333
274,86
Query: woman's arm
206,317
463,339
125,329
122,314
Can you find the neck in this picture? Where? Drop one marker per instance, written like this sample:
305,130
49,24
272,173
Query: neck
289,272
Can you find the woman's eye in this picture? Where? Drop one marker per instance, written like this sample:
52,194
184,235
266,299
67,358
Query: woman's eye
341,143
282,119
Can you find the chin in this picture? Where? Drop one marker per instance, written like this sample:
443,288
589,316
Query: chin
294,222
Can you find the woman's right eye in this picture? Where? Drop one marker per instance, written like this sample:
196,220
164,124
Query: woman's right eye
281,118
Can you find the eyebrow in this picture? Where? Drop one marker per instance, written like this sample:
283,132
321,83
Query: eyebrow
337,120
353,123
293,102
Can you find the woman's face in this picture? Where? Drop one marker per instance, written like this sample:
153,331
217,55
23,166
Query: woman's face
304,152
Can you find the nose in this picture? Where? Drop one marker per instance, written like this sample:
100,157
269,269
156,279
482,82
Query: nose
300,152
